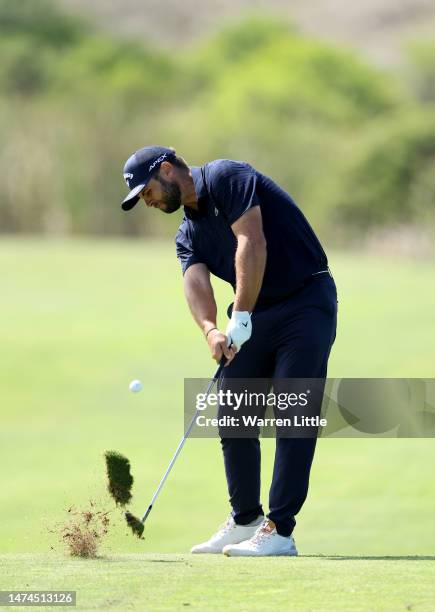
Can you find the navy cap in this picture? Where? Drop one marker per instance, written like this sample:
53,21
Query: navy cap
139,168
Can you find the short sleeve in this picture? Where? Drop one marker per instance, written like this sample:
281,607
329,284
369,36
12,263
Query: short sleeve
234,187
185,251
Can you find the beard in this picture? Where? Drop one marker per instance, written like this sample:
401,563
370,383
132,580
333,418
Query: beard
171,196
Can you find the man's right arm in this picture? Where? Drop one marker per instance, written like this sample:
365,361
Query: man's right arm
200,298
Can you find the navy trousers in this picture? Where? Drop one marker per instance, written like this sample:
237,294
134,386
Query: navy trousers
291,339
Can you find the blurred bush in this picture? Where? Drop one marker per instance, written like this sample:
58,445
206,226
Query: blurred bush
350,142
42,22
421,73
392,179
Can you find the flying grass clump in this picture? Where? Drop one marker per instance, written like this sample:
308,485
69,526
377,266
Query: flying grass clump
84,531
119,477
119,486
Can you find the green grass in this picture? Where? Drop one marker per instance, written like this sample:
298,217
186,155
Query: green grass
175,582
81,319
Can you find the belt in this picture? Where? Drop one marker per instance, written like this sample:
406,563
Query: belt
304,283
327,271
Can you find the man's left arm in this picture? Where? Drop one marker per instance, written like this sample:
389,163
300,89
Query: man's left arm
250,259
234,187
250,265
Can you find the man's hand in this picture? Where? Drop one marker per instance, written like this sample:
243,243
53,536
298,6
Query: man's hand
239,328
218,343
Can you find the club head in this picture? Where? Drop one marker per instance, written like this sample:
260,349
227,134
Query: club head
135,525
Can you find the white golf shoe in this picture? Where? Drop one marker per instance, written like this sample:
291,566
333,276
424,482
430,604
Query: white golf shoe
266,542
229,533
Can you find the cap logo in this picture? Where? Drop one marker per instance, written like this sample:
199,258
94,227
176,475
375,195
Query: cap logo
157,161
127,177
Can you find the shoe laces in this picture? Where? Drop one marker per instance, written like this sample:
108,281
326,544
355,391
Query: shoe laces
262,532
227,526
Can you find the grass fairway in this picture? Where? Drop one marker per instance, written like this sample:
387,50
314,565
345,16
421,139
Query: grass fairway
81,319
175,582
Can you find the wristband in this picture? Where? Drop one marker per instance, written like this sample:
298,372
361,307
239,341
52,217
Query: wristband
211,329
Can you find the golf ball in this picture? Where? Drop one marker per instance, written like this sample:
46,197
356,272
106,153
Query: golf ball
135,386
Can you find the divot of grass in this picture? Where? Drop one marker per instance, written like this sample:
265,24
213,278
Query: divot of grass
119,476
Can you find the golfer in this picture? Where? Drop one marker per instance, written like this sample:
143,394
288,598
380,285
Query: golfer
240,226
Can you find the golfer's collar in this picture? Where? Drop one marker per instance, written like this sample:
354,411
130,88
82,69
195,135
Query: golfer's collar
201,194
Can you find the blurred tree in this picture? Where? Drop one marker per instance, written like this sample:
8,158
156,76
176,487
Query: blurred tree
340,135
42,21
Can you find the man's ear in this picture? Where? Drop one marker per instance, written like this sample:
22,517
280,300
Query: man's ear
166,170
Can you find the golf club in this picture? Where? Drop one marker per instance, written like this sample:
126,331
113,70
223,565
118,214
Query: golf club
136,524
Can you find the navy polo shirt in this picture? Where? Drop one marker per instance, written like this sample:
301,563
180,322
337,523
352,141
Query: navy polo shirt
226,189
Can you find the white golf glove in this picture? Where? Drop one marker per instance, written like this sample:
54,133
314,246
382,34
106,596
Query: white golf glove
239,328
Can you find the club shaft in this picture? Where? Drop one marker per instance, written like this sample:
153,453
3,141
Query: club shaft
182,443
